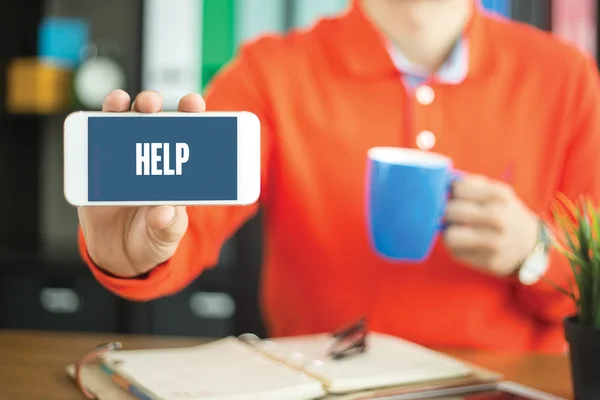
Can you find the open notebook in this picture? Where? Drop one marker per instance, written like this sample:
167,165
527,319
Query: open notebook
296,368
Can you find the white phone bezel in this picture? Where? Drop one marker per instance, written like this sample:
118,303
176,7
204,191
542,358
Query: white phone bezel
75,149
503,386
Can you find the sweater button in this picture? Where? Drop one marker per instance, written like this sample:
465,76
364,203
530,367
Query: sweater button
425,140
425,95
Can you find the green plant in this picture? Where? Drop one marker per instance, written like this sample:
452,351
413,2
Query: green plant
578,239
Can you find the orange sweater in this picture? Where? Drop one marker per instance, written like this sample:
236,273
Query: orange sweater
528,112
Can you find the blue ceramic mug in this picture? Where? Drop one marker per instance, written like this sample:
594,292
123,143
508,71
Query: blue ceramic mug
407,192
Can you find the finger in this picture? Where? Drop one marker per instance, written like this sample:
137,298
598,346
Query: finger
474,257
478,261
148,102
473,213
480,188
460,238
116,101
484,261
192,102
159,217
167,223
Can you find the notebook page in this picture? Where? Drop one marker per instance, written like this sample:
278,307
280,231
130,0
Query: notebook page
387,361
225,369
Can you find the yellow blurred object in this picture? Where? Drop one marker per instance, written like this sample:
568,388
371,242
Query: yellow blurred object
37,87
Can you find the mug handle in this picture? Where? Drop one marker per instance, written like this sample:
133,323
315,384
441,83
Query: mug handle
455,175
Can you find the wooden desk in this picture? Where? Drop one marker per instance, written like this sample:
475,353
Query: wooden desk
32,364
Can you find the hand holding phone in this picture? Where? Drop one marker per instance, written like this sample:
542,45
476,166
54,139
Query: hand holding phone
130,240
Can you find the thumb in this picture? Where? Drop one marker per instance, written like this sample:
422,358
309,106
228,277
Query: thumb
167,223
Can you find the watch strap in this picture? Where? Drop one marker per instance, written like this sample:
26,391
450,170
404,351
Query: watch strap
536,264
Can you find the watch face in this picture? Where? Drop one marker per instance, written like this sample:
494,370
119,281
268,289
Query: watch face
95,79
534,268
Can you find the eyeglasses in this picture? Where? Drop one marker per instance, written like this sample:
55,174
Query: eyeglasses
349,341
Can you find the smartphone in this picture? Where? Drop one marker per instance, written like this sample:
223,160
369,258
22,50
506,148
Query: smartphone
166,158
488,391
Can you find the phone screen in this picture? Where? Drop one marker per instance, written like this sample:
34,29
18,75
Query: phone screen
162,159
492,395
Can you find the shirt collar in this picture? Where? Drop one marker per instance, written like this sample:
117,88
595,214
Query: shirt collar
365,52
453,71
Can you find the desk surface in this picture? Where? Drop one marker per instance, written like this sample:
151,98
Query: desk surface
32,364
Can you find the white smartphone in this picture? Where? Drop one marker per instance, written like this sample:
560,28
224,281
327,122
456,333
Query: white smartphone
504,390
166,158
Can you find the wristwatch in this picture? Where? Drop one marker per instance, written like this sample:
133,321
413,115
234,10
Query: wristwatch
536,264
99,73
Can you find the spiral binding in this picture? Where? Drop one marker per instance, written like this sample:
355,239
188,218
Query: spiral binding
346,342
91,357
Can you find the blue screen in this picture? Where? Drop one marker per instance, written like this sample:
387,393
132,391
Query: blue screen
162,158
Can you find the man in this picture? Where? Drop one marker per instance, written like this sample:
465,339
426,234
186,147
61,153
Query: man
517,110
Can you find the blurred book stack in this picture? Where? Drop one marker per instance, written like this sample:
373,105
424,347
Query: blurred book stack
41,84
500,7
171,48
576,21
534,12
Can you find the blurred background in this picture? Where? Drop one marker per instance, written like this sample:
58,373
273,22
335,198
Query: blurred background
57,56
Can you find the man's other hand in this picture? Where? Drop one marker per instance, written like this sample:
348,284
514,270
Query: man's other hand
489,227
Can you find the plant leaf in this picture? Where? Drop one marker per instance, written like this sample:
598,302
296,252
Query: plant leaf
569,204
579,242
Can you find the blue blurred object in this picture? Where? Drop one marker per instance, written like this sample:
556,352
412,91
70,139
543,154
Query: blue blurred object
501,7
62,39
